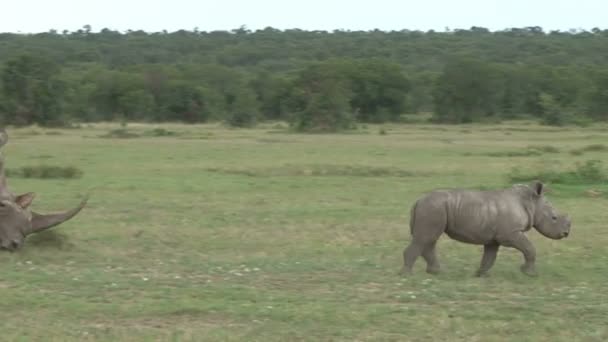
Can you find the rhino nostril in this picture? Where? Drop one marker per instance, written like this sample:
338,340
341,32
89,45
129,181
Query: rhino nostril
566,234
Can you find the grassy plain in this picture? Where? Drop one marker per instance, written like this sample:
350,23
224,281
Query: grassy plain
203,233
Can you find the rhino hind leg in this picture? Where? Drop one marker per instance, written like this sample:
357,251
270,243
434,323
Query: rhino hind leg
410,254
426,228
430,256
490,251
419,248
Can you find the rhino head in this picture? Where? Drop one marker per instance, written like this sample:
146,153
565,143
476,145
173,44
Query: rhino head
17,220
547,220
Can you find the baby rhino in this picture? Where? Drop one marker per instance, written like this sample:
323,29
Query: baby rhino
490,218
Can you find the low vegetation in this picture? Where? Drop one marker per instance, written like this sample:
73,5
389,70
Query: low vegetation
243,237
590,148
529,151
590,172
322,170
120,133
160,132
45,172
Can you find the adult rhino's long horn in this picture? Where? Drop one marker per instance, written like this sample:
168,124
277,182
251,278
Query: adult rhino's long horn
41,222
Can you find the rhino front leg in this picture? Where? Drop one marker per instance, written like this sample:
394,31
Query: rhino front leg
487,260
520,242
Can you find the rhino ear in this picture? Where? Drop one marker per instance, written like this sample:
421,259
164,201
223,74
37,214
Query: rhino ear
539,188
25,200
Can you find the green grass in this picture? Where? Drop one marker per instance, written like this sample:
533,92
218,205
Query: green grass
217,234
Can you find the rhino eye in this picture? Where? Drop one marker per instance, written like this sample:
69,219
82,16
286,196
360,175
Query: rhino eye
554,217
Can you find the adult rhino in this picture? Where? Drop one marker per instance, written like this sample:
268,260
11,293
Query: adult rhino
17,220
490,218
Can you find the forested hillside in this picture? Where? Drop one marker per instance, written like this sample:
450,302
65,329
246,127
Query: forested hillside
316,80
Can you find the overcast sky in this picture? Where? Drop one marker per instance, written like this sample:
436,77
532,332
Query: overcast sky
151,15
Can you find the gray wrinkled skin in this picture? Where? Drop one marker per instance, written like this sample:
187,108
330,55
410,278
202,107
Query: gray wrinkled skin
17,220
490,218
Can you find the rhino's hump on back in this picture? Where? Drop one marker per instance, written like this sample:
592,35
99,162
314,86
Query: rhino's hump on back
484,205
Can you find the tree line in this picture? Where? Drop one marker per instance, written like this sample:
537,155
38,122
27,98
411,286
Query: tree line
315,80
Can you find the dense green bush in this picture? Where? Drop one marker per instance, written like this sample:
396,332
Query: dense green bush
317,80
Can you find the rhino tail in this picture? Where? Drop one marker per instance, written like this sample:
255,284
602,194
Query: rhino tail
413,217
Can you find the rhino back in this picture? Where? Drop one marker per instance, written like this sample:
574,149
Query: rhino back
478,217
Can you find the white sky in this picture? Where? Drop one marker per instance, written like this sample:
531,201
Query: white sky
149,15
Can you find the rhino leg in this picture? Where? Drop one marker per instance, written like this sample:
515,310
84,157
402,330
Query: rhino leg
410,254
428,221
487,260
423,244
520,242
430,256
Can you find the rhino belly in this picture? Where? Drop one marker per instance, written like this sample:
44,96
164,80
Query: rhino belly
472,233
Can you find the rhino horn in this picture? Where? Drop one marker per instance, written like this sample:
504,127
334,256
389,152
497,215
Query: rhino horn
41,222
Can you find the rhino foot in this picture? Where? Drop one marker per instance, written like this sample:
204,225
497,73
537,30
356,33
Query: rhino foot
404,272
433,270
529,270
481,274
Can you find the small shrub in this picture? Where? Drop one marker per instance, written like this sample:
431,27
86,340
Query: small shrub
577,152
591,171
75,126
42,156
523,153
594,193
530,151
242,118
160,132
596,148
322,171
31,132
280,125
382,131
45,172
544,148
590,148
273,141
53,133
120,133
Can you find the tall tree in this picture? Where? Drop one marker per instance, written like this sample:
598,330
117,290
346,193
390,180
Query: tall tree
597,104
467,90
32,91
